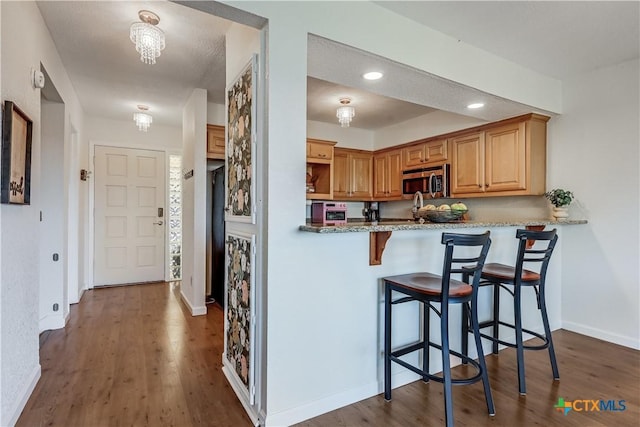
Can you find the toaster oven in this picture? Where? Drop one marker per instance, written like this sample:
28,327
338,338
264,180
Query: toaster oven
329,213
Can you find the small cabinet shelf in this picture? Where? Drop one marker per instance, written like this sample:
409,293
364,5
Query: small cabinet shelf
320,169
215,142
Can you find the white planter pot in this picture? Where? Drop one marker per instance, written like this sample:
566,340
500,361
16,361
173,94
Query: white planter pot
560,213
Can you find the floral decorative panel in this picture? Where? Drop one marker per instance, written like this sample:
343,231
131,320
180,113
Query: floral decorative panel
240,138
239,334
175,216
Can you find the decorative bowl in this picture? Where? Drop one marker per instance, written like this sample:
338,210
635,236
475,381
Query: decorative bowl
433,215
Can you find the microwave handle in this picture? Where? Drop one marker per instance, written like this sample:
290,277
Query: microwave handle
433,194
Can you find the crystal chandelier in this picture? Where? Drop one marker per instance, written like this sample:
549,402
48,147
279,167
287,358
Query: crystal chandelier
142,119
148,38
345,113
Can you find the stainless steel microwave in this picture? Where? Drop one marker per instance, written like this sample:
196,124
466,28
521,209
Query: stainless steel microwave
432,182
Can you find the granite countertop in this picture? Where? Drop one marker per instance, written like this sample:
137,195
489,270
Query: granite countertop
354,226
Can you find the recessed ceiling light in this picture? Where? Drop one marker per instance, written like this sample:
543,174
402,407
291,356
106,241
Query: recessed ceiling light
475,105
373,75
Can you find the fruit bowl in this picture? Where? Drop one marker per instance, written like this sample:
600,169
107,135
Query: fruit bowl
434,215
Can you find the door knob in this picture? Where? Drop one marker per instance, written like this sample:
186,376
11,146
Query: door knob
158,223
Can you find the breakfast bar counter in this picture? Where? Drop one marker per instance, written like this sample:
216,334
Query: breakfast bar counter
380,231
409,224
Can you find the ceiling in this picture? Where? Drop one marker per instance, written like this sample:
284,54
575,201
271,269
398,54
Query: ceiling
559,39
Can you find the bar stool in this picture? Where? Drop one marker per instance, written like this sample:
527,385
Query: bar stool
428,289
513,279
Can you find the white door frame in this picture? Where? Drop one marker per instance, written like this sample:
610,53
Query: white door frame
91,225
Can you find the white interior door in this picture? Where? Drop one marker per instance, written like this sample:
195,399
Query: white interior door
129,198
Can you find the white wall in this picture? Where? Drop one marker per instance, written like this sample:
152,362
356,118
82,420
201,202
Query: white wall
99,130
435,123
215,114
593,151
20,246
194,209
336,356
52,280
350,137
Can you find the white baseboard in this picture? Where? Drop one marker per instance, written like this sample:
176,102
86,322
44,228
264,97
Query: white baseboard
195,311
335,401
602,335
52,321
240,392
30,385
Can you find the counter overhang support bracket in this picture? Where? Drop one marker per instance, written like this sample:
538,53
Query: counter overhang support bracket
377,243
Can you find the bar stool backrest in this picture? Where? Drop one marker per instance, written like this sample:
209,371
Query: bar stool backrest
454,263
537,255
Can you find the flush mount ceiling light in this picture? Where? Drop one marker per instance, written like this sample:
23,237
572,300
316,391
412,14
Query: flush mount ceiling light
475,105
148,38
142,119
373,75
345,113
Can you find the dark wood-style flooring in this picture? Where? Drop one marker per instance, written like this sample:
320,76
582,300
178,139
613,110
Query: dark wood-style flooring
133,356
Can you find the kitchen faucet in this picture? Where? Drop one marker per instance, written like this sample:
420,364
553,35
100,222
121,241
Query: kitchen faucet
417,196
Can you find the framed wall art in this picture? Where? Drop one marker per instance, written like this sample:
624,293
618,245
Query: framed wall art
17,128
241,145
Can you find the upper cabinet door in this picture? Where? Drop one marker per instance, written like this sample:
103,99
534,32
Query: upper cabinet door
361,175
352,174
413,156
467,175
380,173
318,150
506,158
340,174
424,154
387,175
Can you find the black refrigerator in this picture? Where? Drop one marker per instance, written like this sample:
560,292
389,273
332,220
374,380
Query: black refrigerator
217,237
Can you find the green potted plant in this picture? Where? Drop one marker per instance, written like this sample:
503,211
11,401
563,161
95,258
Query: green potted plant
560,199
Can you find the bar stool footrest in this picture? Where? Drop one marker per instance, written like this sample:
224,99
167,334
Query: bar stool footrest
395,357
543,346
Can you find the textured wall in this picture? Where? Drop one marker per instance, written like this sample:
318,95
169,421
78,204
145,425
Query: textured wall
20,226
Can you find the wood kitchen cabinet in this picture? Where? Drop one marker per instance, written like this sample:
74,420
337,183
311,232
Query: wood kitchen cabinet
353,174
424,154
387,175
507,159
215,142
320,169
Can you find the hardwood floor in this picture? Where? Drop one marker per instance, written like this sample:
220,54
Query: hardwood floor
133,356
589,369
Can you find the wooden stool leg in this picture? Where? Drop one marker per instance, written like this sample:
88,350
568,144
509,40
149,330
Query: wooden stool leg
387,341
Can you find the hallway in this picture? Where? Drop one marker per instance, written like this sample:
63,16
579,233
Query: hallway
134,356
